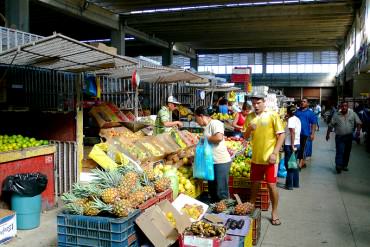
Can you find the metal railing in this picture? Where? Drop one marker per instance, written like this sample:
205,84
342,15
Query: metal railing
10,38
66,166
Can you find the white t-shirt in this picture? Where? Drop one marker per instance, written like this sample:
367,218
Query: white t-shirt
220,153
293,123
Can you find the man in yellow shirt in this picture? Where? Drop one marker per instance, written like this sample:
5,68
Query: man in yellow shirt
267,132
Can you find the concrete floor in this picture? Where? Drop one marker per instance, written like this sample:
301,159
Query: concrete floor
328,210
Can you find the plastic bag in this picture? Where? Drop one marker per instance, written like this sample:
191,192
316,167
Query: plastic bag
282,171
292,162
204,165
26,184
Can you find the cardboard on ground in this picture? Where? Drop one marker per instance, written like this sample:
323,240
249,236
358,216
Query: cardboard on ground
183,199
157,228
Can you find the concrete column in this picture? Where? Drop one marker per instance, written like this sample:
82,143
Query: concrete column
118,40
167,56
264,62
17,14
194,63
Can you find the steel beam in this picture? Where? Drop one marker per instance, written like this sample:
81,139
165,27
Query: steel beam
84,10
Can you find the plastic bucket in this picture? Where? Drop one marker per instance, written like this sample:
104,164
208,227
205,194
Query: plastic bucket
28,210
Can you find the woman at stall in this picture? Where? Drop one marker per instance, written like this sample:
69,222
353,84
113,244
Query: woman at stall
239,120
214,132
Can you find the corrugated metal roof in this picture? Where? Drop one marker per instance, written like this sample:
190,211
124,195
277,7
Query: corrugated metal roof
59,52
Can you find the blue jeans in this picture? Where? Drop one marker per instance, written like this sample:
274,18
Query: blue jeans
343,146
219,188
292,177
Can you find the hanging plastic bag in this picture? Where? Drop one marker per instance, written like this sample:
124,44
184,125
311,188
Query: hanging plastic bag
26,184
208,161
199,171
292,162
282,171
204,165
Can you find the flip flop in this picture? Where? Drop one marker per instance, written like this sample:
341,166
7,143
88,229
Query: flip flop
275,222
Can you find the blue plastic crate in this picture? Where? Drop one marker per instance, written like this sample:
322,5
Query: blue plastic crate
78,230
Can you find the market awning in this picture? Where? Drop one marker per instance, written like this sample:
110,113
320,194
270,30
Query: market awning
59,52
222,89
155,74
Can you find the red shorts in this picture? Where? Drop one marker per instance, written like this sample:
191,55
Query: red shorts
264,172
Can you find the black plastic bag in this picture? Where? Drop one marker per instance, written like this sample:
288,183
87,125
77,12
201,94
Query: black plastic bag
26,184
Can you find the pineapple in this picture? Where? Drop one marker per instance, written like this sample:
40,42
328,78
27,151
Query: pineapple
137,198
89,209
122,208
109,195
220,206
162,184
149,191
107,179
74,208
124,190
243,208
86,190
150,174
130,178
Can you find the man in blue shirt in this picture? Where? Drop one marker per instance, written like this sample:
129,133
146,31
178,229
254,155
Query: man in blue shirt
308,128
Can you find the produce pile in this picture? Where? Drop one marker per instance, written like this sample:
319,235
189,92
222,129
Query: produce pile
204,229
230,206
194,211
241,166
234,145
18,142
117,192
222,117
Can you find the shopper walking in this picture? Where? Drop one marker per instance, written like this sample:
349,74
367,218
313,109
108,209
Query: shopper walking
267,133
308,128
163,122
317,112
292,140
343,122
239,120
214,132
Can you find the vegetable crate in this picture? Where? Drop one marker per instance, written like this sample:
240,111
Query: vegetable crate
165,195
256,226
148,203
262,200
78,230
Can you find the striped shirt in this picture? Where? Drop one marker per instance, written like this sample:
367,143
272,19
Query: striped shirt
344,124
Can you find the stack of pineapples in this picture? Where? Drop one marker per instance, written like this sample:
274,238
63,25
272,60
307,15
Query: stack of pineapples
117,192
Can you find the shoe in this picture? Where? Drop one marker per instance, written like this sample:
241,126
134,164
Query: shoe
345,169
288,188
275,222
296,186
338,170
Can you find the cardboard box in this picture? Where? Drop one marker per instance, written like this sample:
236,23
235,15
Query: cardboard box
106,116
8,225
183,199
157,228
104,47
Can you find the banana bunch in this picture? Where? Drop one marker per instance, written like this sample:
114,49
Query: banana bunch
184,111
204,229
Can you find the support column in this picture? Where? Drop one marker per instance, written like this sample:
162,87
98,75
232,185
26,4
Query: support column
194,63
118,40
264,62
17,14
167,56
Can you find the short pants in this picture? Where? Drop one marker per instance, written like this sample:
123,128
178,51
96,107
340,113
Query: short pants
261,172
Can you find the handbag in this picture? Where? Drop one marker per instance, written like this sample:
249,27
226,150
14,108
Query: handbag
292,162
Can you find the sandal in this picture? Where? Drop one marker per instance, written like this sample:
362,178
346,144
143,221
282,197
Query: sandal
275,222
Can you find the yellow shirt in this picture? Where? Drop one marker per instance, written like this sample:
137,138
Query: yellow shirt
264,137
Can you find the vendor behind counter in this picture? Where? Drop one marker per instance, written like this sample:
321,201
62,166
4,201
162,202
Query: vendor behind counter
163,122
